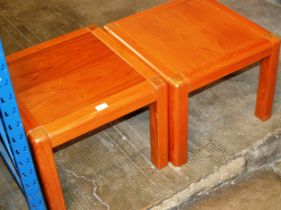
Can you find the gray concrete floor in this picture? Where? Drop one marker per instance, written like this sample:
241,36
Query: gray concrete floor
110,168
258,192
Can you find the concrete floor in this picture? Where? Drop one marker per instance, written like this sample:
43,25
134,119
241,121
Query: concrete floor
110,168
259,192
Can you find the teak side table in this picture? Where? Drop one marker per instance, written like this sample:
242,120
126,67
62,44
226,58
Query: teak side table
75,83
192,43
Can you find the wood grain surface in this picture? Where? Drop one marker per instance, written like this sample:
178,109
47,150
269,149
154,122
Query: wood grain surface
75,83
191,44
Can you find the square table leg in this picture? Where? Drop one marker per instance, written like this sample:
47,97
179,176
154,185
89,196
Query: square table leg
267,81
158,109
44,158
159,126
178,123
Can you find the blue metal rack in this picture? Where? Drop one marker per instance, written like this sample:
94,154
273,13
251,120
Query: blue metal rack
13,143
7,154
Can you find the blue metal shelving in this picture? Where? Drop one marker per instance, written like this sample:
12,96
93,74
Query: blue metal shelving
14,147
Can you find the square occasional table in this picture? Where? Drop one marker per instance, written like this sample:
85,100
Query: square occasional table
192,43
73,84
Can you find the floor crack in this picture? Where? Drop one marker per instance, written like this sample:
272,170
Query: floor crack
93,182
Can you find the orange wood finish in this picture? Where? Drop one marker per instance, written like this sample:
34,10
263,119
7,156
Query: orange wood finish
61,83
192,43
43,155
158,110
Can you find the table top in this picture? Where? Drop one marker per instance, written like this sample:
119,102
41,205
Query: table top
188,37
63,75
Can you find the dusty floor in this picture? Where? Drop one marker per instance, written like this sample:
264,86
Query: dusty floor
110,168
259,192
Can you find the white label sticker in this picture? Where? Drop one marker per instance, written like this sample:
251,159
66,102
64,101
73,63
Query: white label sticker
101,107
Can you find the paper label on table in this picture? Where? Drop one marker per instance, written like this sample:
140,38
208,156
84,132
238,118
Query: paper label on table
101,107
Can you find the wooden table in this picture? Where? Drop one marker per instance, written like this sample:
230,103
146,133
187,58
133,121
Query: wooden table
73,84
192,43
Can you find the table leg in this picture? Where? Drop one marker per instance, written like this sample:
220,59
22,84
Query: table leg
178,124
159,126
267,80
44,158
